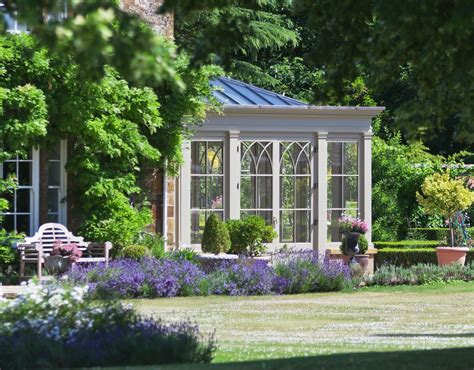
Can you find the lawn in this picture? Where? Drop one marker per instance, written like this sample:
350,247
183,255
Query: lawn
369,320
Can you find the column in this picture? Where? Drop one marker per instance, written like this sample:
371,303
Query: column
232,176
320,164
366,182
184,198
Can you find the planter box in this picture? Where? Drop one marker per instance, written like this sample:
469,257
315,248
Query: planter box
335,254
450,255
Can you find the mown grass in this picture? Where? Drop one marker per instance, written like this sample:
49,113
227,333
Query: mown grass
306,328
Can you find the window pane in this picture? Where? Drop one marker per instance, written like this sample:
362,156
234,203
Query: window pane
9,170
350,191
286,226
303,192
264,192
53,200
335,192
23,200
215,158
287,192
286,159
216,191
267,216
53,217
247,192
9,223
9,196
54,152
302,226
265,162
350,159
198,220
23,224
334,234
24,173
198,192
198,157
54,170
334,158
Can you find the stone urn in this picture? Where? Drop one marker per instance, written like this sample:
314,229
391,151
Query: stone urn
57,265
450,255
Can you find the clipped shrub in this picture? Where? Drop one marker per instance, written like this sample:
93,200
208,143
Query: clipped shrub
215,238
362,243
410,257
306,271
416,244
421,274
249,235
135,251
40,330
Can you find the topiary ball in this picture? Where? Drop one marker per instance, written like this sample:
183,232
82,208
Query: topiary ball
215,238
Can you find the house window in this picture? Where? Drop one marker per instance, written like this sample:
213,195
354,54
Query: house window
207,184
295,192
54,182
19,216
343,184
256,179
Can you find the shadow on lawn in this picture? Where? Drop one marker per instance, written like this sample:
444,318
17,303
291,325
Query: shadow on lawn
426,335
454,358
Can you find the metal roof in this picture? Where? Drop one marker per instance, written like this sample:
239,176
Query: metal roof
236,93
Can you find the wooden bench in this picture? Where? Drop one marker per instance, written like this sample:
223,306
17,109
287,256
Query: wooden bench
34,249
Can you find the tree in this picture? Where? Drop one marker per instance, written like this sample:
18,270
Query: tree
430,44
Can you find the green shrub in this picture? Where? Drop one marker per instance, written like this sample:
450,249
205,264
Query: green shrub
154,242
414,244
421,274
248,235
215,238
363,245
135,251
181,254
434,233
409,257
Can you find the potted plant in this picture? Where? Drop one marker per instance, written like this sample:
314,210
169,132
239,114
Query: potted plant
442,195
61,257
354,244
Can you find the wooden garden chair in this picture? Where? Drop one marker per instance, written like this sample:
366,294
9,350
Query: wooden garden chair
34,249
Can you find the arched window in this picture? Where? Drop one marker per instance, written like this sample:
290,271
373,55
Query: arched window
256,179
295,192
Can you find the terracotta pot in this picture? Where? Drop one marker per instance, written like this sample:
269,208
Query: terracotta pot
448,255
345,258
363,261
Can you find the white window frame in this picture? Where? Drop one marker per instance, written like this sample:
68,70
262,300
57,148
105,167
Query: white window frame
34,188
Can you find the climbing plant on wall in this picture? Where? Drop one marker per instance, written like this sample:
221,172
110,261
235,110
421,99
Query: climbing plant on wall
113,129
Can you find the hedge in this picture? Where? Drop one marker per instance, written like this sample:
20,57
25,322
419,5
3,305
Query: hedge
401,244
434,233
408,257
